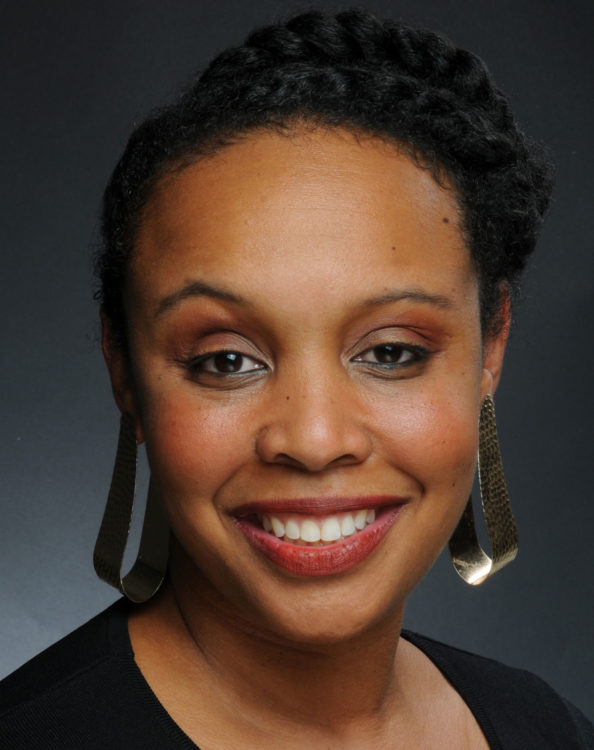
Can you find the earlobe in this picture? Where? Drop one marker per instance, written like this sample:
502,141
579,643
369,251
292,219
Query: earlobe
122,383
486,383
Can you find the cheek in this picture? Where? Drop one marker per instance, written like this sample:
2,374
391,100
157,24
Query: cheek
433,439
432,445
194,447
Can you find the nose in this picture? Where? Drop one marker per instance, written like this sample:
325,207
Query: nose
314,427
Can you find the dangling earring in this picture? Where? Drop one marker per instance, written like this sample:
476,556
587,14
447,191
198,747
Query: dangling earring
148,571
469,559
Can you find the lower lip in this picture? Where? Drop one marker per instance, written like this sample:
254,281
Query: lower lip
326,560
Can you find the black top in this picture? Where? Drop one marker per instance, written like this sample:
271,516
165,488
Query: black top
86,692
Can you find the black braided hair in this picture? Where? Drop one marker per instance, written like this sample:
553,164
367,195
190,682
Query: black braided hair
352,71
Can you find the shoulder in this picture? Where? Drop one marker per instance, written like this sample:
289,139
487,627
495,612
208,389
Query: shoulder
84,691
64,661
512,705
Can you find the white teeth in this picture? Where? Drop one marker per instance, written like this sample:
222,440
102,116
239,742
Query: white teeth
292,530
348,525
316,530
277,526
360,519
330,530
310,531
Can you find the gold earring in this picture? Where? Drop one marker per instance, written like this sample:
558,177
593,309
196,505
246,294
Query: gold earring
148,571
468,557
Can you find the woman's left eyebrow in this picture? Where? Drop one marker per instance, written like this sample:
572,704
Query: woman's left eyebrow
414,295
196,289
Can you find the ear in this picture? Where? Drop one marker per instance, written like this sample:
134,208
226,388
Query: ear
120,373
494,344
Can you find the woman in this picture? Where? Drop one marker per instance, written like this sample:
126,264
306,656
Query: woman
306,280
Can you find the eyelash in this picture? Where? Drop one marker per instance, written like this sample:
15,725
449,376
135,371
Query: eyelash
198,365
416,354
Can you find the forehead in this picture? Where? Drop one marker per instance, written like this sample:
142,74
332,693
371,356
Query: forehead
310,207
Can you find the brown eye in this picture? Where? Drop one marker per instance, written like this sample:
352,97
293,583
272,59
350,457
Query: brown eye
225,363
389,354
392,356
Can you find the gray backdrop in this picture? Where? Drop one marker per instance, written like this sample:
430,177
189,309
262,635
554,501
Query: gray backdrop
75,76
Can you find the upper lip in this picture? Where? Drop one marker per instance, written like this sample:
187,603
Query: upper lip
317,506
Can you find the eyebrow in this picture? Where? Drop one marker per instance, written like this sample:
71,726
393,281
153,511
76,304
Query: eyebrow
196,289
416,295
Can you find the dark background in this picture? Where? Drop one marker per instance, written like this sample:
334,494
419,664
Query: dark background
75,77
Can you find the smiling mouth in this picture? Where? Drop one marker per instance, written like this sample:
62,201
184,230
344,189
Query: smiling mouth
302,539
316,531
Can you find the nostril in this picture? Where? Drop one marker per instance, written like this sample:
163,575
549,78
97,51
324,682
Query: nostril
345,460
284,458
315,463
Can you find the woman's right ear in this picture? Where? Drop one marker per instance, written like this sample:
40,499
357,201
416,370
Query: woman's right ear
120,373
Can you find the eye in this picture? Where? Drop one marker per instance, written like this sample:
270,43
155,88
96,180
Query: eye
391,356
225,363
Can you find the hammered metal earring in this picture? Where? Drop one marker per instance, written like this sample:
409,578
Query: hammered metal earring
469,559
148,571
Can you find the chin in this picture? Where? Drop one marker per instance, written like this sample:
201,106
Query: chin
325,613
326,627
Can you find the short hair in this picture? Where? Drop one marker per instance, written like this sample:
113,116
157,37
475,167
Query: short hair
350,70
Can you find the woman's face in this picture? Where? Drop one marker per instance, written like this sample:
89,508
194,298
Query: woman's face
306,354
